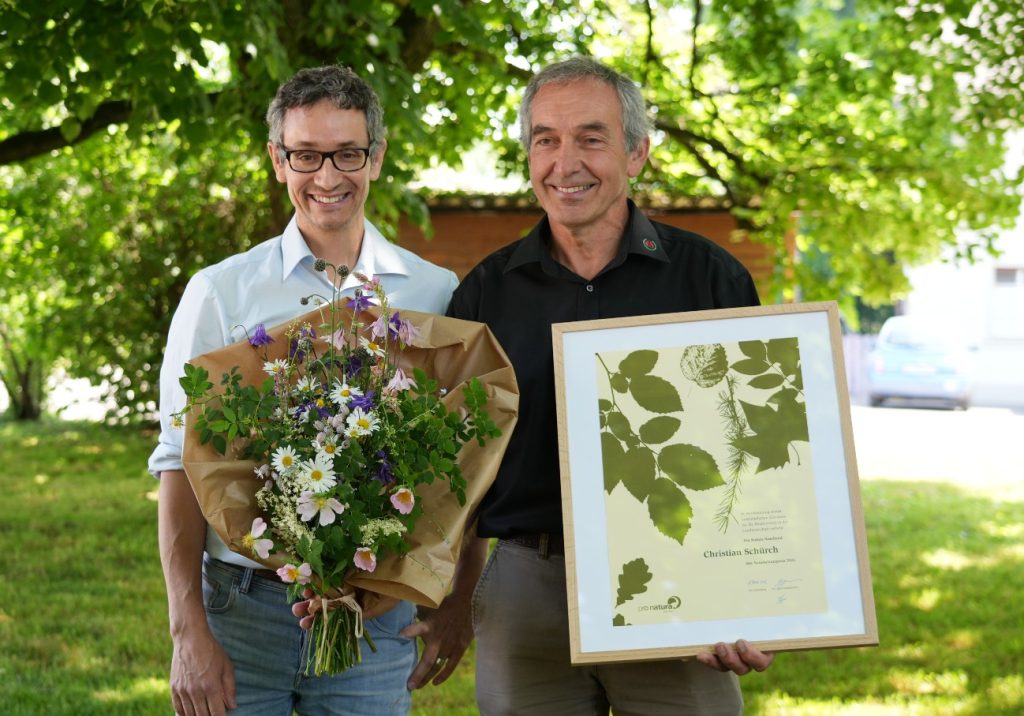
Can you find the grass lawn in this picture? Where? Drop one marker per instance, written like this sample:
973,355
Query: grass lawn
83,626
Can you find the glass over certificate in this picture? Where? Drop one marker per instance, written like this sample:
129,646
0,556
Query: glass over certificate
709,486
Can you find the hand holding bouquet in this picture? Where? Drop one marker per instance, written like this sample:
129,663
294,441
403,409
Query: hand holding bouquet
343,440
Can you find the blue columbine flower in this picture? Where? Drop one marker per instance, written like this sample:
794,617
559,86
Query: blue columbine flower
395,324
362,401
259,337
355,364
360,303
298,347
384,474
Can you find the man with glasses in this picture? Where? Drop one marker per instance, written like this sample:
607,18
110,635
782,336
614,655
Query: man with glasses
236,643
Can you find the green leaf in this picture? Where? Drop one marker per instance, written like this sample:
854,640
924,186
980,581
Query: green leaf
705,365
310,550
638,363
619,425
669,509
757,350
613,458
785,352
750,366
690,466
70,128
766,381
774,429
619,383
604,405
633,580
639,472
660,429
655,394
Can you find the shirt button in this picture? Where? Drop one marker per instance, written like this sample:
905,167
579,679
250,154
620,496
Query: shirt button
590,288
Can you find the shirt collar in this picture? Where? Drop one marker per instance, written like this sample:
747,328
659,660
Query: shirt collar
640,237
293,249
377,255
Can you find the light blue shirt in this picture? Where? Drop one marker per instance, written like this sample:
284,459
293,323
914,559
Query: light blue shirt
264,285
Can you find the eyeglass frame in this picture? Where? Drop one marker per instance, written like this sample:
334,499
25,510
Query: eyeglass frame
324,156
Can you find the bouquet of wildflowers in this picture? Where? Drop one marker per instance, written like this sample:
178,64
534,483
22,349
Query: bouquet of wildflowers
342,438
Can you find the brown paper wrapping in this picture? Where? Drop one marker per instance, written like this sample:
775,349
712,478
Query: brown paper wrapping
449,350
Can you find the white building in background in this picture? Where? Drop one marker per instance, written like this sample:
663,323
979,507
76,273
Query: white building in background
985,302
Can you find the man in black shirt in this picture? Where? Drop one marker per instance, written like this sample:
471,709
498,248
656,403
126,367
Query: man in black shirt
594,255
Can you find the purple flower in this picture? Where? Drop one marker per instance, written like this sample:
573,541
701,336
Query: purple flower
399,382
302,411
294,351
298,347
360,303
259,337
362,401
384,474
355,364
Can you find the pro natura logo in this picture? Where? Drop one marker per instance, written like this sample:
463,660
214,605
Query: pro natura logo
672,602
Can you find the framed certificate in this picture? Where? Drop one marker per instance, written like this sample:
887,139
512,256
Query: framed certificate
709,484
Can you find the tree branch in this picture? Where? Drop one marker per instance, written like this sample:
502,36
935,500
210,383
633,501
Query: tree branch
690,139
694,52
26,145
418,34
649,57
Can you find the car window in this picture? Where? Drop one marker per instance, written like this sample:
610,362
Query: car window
921,336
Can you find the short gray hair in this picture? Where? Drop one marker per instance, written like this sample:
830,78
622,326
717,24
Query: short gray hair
338,85
635,125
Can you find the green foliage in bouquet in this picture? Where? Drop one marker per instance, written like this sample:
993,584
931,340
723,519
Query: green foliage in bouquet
343,438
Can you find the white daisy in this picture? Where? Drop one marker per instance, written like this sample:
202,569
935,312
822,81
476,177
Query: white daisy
371,347
284,459
307,383
343,392
318,474
360,423
326,445
275,367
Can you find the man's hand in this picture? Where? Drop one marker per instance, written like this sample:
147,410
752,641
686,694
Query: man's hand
740,658
446,633
448,630
202,677
373,606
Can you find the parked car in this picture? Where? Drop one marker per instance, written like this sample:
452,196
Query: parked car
920,360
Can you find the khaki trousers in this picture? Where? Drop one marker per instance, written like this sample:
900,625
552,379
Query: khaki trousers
520,618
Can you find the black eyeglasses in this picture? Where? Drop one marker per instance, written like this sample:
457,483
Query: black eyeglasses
307,161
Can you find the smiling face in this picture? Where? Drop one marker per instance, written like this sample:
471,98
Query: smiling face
579,165
328,203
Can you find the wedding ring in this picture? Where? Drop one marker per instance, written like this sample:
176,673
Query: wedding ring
439,661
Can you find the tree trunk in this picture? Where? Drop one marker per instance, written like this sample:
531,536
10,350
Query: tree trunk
24,380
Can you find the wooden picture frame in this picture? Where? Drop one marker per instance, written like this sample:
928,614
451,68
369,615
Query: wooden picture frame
709,484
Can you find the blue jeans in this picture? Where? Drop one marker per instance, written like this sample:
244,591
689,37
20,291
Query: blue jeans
251,618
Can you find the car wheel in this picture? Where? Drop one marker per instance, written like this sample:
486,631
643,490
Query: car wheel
875,400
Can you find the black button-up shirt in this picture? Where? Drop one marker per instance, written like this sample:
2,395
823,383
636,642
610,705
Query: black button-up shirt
520,290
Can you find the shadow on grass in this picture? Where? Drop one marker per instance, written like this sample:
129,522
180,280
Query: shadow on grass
946,567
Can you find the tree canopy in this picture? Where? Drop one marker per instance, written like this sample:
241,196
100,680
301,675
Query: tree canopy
132,144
